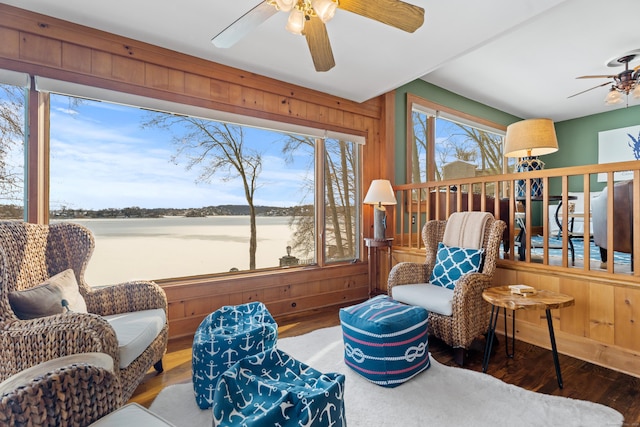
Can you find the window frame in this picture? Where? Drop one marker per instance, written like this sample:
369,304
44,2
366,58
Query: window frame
416,103
44,86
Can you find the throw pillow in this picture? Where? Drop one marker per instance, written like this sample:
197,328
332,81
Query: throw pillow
46,298
452,263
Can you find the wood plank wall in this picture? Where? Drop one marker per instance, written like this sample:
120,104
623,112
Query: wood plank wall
602,327
48,47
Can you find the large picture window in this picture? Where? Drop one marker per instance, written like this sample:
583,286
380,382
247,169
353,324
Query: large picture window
444,144
170,195
13,107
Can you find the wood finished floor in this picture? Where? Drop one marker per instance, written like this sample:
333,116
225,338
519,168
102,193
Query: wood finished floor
531,368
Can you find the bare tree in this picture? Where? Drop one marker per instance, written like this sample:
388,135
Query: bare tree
339,185
420,127
12,110
220,151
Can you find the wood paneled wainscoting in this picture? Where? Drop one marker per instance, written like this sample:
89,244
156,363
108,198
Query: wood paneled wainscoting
602,327
283,292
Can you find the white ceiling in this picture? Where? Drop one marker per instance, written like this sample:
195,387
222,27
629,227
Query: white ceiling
519,56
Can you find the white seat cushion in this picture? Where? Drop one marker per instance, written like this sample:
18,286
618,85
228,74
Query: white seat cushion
136,331
425,295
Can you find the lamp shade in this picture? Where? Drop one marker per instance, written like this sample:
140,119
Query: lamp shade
380,193
533,137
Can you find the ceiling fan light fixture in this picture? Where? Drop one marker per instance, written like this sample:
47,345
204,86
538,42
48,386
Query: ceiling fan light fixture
285,5
636,91
295,23
325,9
613,97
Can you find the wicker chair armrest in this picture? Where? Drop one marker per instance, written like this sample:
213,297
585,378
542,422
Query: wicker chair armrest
408,272
467,296
26,343
76,393
125,298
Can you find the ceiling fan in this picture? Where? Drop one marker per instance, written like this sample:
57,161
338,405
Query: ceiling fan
623,82
308,18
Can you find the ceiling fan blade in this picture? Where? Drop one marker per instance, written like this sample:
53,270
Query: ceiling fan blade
597,77
595,87
396,13
318,40
244,25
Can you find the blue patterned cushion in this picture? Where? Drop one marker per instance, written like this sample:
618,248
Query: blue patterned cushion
452,263
385,341
274,389
224,337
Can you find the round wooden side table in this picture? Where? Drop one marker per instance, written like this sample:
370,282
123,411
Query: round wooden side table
501,296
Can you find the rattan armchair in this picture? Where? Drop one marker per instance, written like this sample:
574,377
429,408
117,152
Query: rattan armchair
71,391
31,254
470,316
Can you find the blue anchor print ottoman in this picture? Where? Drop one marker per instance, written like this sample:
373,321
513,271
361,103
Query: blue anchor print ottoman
274,389
224,337
385,341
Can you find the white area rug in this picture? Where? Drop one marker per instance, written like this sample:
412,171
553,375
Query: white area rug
440,396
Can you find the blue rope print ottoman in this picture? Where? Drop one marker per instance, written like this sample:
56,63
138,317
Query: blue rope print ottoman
385,341
224,337
274,389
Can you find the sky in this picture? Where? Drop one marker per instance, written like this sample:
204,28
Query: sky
101,157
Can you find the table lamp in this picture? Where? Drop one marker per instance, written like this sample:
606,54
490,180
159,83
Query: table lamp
380,193
528,139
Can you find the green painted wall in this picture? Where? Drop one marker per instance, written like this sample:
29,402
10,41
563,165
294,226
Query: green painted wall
577,138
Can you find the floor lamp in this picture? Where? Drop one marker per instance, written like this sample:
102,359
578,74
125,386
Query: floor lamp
380,193
528,139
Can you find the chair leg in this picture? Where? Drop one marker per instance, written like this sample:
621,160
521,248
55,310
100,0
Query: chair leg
459,354
158,366
603,254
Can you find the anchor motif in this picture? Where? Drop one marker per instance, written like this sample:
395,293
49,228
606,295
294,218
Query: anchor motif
247,346
212,351
245,401
327,409
257,359
310,418
267,374
259,407
270,388
294,376
212,374
210,389
236,315
230,360
247,374
221,325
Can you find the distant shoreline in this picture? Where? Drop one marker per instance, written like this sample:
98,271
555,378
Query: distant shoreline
207,211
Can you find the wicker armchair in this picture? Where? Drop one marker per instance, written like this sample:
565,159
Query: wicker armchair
470,314
69,391
29,255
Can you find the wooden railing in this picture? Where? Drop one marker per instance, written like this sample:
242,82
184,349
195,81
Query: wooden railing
529,241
